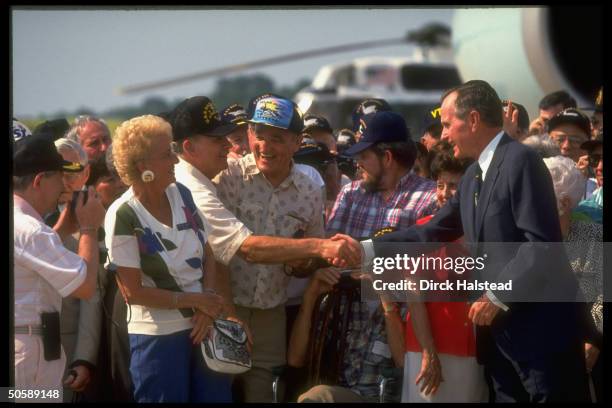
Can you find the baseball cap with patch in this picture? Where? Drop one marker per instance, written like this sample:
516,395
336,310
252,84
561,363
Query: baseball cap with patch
52,129
235,114
432,118
367,107
381,127
198,116
312,122
345,138
20,131
313,153
35,154
572,116
276,111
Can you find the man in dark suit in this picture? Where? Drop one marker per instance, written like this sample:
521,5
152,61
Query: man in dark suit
531,350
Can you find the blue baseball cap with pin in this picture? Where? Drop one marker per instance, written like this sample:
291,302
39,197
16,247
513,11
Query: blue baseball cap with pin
276,111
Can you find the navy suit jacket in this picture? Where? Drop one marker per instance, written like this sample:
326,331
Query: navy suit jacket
516,204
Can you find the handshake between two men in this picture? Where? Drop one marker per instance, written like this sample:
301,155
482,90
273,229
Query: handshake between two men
340,251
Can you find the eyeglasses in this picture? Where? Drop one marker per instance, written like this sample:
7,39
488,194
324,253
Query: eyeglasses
573,139
594,159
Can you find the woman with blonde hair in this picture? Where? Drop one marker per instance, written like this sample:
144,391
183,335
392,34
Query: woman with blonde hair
156,238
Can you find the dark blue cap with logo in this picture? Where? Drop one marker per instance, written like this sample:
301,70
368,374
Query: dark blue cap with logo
432,118
366,107
381,127
313,122
235,114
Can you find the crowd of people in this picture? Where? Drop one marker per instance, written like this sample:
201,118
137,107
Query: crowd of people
127,248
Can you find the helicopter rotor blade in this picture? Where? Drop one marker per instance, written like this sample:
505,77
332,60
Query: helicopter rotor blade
230,69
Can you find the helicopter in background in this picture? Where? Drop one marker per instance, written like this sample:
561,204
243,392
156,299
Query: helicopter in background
411,85
524,53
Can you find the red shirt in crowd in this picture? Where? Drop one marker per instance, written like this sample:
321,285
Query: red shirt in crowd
452,330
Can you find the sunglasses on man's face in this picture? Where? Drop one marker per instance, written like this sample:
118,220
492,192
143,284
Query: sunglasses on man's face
594,159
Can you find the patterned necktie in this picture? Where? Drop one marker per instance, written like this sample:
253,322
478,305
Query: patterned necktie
478,179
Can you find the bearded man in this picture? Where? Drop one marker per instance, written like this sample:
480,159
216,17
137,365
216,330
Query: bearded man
388,193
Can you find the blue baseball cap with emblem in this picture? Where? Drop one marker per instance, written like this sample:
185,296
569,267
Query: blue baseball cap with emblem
380,127
276,111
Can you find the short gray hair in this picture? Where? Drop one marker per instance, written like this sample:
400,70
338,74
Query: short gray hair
21,183
80,122
64,144
568,181
543,144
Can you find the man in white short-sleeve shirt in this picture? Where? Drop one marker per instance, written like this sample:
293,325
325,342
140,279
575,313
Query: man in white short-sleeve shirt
44,270
202,149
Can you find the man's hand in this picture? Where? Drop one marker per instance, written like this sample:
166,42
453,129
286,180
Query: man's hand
511,120
591,354
483,311
430,375
537,127
202,325
583,165
246,329
342,251
66,223
90,214
79,381
323,281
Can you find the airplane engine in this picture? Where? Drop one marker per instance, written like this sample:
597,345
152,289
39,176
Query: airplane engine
526,53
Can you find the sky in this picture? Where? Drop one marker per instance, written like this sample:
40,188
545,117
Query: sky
65,59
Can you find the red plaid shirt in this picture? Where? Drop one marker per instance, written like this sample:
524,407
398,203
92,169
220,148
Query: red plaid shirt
360,214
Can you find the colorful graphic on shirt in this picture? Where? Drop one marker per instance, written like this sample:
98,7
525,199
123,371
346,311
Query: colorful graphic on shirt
147,242
195,263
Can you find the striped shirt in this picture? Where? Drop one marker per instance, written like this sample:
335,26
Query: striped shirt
45,271
360,214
